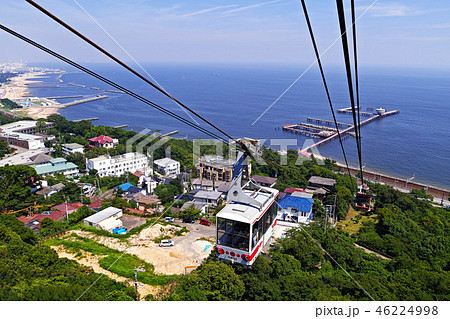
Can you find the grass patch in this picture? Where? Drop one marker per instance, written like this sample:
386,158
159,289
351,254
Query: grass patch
355,220
123,267
181,231
162,237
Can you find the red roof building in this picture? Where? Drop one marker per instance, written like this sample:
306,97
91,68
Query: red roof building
35,222
289,191
138,174
102,141
96,204
70,207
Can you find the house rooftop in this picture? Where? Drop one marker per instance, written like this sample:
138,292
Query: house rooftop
264,179
165,161
96,204
55,165
73,145
125,186
102,215
300,203
322,181
216,161
213,195
102,139
70,207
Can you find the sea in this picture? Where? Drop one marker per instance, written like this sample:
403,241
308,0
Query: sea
412,144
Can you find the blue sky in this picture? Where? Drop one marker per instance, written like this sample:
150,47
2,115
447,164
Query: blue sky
391,33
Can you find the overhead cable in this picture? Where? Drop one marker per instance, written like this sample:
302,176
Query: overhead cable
105,80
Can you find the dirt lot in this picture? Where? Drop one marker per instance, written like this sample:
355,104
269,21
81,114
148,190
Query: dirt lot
130,221
189,250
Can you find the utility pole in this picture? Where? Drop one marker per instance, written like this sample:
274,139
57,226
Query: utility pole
136,283
327,210
334,210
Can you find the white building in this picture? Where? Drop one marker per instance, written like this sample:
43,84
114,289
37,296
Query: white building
25,134
107,219
72,148
107,165
207,197
168,166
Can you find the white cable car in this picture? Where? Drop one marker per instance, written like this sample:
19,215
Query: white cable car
246,223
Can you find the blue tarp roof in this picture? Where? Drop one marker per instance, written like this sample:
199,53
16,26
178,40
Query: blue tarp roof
299,203
125,186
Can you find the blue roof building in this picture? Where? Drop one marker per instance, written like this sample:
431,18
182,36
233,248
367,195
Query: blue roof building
125,186
296,209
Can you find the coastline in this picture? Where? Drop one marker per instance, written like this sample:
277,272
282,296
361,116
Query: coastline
17,90
402,184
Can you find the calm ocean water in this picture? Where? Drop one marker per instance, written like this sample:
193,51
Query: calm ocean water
412,143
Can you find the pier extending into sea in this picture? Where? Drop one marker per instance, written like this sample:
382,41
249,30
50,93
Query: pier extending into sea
328,133
95,98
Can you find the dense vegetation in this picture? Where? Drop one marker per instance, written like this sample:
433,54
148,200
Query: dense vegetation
4,149
413,232
15,186
8,104
30,272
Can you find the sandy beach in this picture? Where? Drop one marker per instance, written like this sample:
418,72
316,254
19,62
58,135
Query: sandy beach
16,89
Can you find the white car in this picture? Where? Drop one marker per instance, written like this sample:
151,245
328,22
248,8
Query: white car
170,219
166,243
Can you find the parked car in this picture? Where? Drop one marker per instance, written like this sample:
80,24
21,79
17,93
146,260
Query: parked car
205,222
166,243
170,219
188,220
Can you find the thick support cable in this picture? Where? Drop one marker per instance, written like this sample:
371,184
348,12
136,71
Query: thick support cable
115,85
65,25
341,15
355,57
319,62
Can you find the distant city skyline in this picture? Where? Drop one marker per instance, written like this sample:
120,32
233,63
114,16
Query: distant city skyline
390,33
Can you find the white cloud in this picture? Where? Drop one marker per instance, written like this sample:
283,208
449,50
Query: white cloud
208,10
393,10
251,6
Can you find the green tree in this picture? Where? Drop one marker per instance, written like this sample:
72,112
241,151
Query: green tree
78,159
212,281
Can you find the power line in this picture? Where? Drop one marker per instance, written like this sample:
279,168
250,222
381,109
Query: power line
341,16
105,80
81,36
319,62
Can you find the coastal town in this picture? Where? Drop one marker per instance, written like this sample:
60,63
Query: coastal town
81,192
